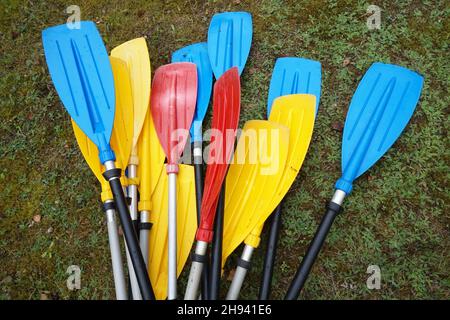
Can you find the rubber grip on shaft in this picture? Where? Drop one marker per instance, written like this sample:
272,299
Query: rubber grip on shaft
303,271
271,251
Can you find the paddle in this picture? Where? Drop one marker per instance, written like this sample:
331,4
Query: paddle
173,99
229,41
135,54
81,72
121,140
290,75
198,53
296,112
226,108
379,111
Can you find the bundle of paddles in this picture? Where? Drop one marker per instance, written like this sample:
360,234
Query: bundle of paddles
142,138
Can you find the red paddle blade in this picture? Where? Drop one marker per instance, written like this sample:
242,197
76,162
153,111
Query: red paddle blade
226,108
172,102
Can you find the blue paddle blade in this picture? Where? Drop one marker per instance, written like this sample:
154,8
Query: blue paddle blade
81,72
229,41
198,53
294,75
379,111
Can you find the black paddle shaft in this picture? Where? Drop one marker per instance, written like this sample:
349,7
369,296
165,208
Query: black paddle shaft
113,177
303,271
271,251
198,170
216,254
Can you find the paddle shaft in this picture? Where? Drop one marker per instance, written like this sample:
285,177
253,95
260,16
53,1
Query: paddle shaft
240,273
172,252
196,270
198,170
216,254
114,246
113,176
144,233
271,250
333,209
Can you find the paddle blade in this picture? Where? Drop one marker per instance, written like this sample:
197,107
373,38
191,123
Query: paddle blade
81,72
173,99
198,53
379,111
135,54
258,164
186,222
229,41
151,162
122,134
226,109
294,75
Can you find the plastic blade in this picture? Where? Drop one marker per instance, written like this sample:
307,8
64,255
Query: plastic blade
81,72
229,41
173,99
379,111
226,109
198,53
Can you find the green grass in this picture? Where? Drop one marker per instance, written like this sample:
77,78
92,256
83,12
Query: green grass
395,218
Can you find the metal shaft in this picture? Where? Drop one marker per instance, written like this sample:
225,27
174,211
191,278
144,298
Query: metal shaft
196,272
172,272
144,235
239,275
116,257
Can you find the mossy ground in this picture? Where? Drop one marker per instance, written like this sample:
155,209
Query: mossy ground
397,216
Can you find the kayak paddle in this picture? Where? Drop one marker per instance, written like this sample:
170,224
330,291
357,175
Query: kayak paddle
135,54
121,141
81,72
380,109
296,112
198,53
290,75
173,99
226,109
229,42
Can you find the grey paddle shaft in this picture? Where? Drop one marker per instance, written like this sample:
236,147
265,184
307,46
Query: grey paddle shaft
196,272
172,279
240,273
310,257
116,258
144,234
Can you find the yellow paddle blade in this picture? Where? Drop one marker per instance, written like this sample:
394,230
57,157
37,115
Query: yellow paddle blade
122,134
151,162
257,166
296,112
135,54
186,227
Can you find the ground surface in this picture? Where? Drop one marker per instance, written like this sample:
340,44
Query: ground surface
397,217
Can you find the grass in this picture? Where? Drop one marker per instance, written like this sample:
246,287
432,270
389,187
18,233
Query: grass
396,217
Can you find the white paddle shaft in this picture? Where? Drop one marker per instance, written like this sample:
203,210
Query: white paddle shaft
172,272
